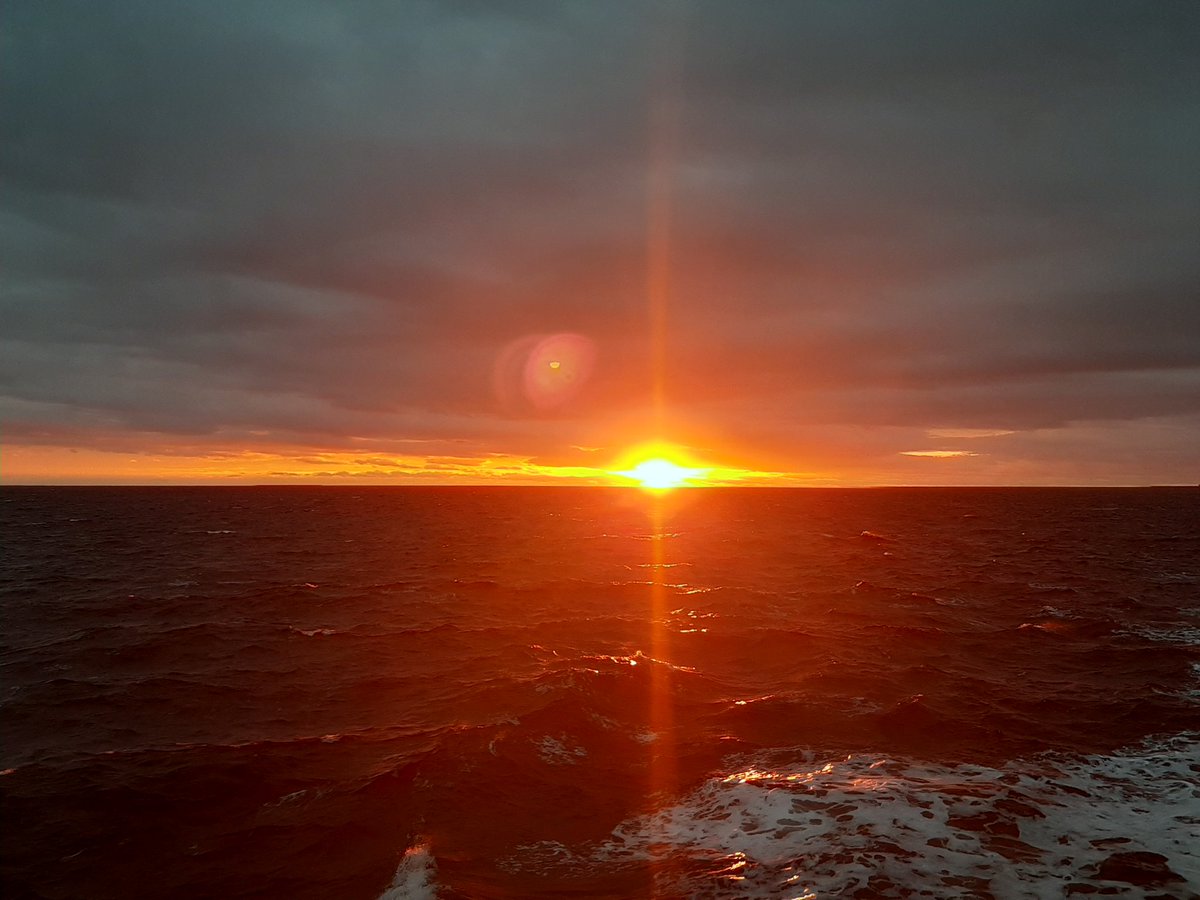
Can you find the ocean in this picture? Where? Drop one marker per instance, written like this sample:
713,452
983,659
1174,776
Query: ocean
460,692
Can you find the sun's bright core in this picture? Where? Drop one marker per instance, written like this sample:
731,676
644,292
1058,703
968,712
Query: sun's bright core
660,474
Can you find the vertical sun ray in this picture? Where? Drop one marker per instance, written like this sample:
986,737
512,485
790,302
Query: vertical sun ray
664,123
664,116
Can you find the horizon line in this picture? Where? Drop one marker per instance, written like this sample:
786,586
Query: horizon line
620,487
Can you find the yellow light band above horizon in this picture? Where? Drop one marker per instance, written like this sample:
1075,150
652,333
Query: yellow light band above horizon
168,464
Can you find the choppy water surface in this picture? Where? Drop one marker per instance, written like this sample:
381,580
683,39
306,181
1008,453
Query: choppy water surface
510,692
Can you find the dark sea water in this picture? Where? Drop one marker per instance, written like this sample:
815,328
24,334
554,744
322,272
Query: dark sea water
511,692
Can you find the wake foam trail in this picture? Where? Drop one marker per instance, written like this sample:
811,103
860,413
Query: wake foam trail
415,878
1054,826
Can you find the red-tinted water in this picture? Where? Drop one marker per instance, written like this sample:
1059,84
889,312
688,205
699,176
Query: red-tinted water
540,692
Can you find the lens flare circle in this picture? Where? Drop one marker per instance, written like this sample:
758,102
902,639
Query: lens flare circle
543,372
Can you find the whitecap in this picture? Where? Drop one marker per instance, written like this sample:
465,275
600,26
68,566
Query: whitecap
555,751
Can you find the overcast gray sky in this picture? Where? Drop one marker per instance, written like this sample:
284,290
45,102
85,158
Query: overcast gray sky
888,228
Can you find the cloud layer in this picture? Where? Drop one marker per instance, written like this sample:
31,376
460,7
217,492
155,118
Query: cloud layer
291,224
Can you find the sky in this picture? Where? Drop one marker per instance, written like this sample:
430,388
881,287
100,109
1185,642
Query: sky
827,243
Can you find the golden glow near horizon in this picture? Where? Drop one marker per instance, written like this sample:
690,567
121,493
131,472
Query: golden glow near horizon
657,466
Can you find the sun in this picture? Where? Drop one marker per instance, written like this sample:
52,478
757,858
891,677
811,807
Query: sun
661,474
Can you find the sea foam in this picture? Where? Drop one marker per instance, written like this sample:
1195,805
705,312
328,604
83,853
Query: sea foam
1038,828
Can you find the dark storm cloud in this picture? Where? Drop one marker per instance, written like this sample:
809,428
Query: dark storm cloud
332,218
